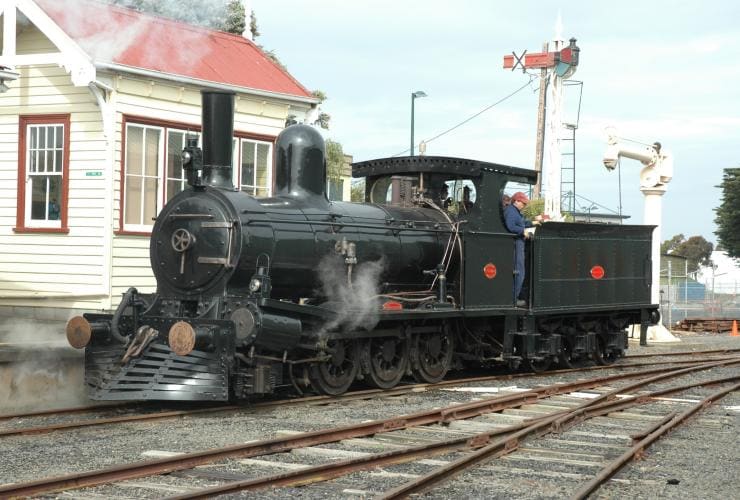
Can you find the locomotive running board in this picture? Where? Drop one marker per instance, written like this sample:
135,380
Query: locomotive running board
158,374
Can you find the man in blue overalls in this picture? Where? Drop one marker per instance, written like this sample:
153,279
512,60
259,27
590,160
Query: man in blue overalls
516,223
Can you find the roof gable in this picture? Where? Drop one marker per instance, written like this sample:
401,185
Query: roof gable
127,38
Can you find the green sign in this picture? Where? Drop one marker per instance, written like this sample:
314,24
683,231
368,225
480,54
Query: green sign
96,173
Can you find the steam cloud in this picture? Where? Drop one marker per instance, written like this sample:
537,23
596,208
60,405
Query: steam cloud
42,373
356,305
106,37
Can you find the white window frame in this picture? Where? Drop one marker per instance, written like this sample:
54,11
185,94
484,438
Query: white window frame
238,181
141,226
43,223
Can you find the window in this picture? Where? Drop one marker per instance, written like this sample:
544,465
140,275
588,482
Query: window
336,189
256,167
142,191
153,173
43,162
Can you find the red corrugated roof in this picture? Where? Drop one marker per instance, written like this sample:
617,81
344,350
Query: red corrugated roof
124,36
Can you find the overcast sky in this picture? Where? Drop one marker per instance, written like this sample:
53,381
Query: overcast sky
662,71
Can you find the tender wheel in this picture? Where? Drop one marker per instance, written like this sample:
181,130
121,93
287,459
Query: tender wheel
388,362
566,360
335,375
539,365
434,357
601,357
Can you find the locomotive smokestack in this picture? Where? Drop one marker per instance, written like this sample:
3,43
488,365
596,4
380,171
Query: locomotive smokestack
218,133
301,166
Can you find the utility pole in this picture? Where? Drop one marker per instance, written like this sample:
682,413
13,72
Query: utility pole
540,147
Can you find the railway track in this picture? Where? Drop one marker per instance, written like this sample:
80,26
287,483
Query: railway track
540,408
113,406
151,416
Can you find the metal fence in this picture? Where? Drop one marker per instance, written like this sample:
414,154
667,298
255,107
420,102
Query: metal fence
682,297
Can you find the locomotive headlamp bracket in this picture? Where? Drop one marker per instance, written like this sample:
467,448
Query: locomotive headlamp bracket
192,162
260,284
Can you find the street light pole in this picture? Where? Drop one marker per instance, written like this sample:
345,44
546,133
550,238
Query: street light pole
414,95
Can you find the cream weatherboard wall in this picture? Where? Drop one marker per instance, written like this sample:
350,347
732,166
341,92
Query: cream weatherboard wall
62,270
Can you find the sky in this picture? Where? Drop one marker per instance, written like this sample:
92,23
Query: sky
664,71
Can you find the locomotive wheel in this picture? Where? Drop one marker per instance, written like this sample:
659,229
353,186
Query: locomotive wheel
539,365
388,362
601,357
334,376
434,357
566,360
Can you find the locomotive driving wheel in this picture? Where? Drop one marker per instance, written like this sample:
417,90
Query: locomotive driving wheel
334,375
388,361
433,356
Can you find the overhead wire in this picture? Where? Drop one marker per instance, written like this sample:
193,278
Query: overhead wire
512,94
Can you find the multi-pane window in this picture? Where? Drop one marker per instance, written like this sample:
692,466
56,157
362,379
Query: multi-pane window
142,193
44,160
153,172
42,172
256,167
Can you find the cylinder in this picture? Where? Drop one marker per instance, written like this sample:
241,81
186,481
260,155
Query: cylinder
218,132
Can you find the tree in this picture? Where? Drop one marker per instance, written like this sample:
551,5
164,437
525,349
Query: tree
696,249
208,13
728,213
323,118
334,160
534,208
669,246
253,26
235,21
357,192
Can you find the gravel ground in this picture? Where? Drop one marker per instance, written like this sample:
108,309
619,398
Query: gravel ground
700,455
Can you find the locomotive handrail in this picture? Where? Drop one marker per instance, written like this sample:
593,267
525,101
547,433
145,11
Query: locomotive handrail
363,226
190,216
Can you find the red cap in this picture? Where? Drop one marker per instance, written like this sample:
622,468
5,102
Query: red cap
519,196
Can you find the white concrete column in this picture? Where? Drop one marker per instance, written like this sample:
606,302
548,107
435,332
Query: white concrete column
652,216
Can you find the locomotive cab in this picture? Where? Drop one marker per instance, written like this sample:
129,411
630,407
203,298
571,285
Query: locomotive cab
469,192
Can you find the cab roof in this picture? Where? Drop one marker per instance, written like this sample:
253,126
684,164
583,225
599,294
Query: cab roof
438,164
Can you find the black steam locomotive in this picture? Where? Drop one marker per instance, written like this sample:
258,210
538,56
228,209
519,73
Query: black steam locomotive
254,294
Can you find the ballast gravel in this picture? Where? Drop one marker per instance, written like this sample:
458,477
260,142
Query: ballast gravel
698,460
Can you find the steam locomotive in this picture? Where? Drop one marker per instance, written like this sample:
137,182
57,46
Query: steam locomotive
257,294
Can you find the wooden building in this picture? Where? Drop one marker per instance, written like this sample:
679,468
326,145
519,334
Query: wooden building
95,107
